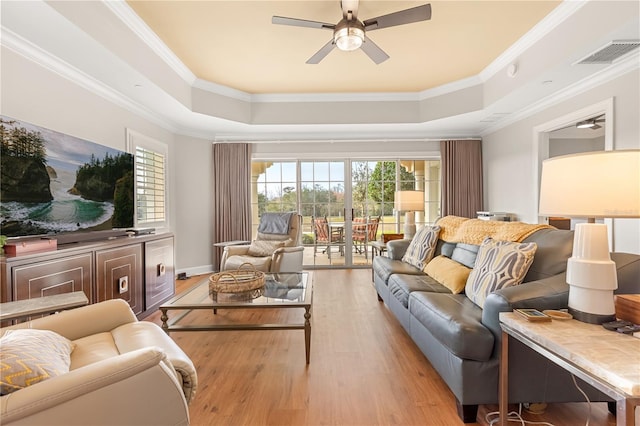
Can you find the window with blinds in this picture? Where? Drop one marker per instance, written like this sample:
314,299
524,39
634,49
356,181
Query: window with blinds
150,186
151,180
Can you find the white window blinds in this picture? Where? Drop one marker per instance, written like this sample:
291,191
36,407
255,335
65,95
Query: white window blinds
150,186
151,180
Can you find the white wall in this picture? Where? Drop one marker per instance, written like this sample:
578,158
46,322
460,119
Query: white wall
192,204
508,153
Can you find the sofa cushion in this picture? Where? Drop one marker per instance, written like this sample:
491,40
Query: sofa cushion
555,246
465,254
422,247
260,263
455,321
400,286
30,356
448,273
93,348
384,267
499,264
446,248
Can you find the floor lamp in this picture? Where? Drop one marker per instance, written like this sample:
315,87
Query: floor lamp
603,184
409,202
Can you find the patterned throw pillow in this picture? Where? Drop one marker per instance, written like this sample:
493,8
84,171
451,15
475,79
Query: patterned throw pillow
449,273
422,247
499,264
29,356
264,248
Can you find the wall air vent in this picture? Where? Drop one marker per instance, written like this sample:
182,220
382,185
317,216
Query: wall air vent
610,52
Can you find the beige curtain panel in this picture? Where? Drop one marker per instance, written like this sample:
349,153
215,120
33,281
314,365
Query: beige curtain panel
461,162
231,194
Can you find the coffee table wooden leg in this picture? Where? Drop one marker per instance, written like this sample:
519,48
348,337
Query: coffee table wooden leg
164,319
307,332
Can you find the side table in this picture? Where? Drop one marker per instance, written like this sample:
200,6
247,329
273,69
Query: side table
42,305
604,359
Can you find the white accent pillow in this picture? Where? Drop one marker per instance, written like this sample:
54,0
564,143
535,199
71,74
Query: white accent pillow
29,356
422,247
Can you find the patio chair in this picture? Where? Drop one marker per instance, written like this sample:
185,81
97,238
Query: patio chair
364,233
326,235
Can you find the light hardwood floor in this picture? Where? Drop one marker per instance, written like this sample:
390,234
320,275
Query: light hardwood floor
364,368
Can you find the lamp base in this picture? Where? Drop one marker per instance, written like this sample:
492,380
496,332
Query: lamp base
409,225
409,230
591,318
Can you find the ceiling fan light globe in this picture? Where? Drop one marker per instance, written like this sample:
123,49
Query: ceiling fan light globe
349,38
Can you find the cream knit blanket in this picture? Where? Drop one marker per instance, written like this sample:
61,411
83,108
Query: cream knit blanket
456,229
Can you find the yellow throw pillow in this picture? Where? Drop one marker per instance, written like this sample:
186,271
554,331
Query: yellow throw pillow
449,273
29,356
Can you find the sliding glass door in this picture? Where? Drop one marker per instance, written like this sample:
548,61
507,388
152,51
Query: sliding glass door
346,204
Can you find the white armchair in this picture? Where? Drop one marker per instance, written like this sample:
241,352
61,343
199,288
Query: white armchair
269,252
122,372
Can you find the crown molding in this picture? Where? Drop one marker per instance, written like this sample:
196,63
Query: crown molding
122,10
623,66
36,54
338,97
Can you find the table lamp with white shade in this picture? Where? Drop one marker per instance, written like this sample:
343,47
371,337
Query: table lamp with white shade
409,202
592,185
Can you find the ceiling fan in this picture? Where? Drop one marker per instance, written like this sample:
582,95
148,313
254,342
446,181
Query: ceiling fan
350,33
591,123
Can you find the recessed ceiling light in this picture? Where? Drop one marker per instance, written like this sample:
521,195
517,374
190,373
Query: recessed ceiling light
547,82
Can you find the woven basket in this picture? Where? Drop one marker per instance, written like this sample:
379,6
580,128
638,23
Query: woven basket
240,280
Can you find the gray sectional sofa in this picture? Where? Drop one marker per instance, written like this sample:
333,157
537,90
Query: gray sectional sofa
462,341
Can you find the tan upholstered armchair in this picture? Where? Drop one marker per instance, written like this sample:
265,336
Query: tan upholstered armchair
122,372
269,252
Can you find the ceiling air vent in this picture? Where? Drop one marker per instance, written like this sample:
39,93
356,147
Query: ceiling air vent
610,52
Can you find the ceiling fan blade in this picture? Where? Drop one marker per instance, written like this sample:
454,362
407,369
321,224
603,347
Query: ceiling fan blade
407,16
281,20
349,6
320,54
374,52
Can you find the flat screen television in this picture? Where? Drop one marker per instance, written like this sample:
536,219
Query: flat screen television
54,184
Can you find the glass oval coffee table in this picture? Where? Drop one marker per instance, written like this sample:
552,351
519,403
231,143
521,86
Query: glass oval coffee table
284,290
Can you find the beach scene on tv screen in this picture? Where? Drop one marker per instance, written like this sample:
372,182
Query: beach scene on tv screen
55,183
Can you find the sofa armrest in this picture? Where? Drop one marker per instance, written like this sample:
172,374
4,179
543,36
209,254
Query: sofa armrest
397,248
236,250
84,321
287,259
232,251
548,293
140,387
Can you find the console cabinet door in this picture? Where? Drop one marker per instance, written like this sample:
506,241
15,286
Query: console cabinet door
119,275
55,276
159,272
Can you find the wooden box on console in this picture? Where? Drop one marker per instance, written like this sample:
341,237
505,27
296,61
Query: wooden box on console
30,246
628,307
